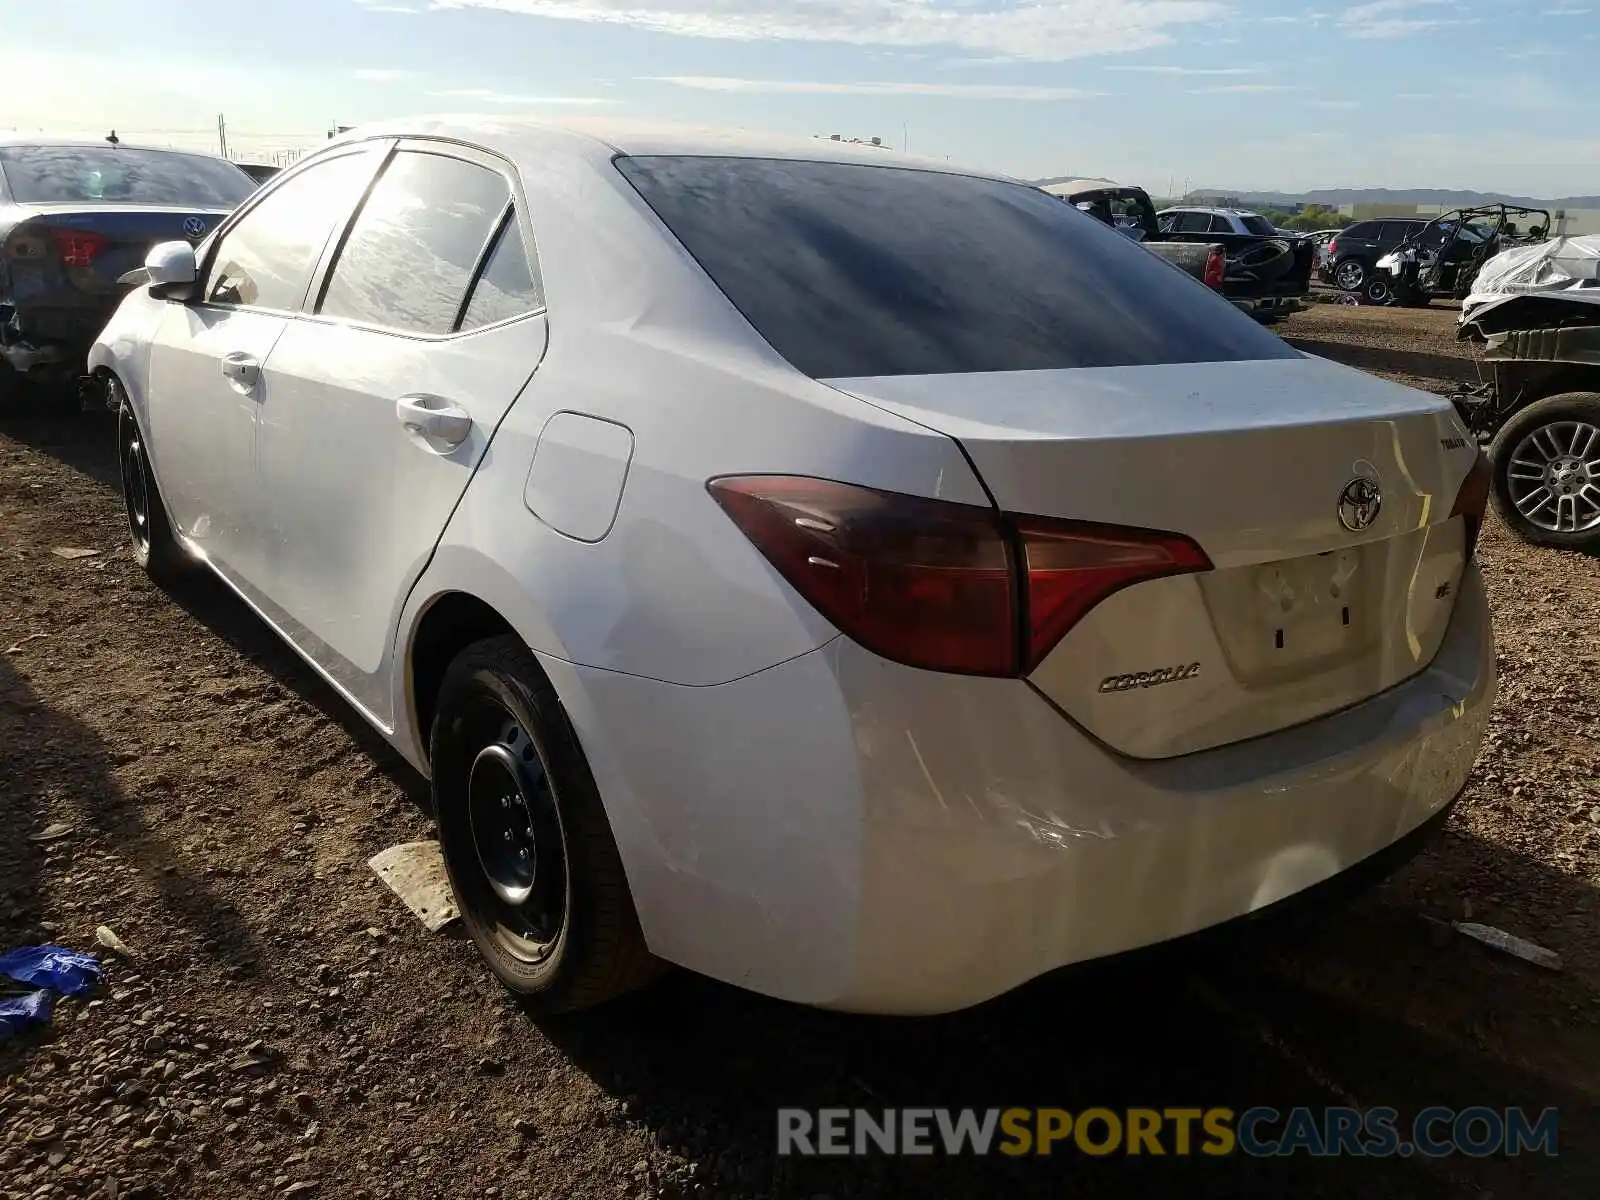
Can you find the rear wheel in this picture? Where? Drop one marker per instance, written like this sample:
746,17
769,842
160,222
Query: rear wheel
1546,462
526,842
1350,274
154,547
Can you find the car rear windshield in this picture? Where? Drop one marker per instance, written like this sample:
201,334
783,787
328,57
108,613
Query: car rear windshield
1259,226
856,270
112,175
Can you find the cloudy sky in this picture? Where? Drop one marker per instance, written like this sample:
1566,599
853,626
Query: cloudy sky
1291,95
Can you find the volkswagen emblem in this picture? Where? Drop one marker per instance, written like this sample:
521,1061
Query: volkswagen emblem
1359,504
195,227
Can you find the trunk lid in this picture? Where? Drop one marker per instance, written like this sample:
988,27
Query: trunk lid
1302,614
78,249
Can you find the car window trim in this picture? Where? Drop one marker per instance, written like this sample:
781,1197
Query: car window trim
322,269
466,152
487,253
234,219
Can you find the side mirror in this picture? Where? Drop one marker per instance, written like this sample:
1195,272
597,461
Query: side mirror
171,265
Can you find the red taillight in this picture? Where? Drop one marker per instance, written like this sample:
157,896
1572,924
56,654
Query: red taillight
946,587
1071,567
1473,499
1216,264
79,246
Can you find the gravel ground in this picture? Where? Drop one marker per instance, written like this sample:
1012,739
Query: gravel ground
1416,342
1430,330
283,1027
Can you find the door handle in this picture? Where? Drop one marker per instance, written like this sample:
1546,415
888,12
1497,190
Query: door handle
433,417
241,368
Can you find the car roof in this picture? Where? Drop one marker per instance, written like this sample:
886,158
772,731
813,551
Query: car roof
528,137
42,140
1213,208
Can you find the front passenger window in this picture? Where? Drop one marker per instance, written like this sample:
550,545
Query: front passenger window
266,259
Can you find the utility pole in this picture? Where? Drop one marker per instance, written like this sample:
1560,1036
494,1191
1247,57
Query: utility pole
222,135
905,137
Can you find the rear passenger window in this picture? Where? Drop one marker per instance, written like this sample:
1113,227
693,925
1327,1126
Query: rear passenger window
1191,222
416,243
1366,231
507,287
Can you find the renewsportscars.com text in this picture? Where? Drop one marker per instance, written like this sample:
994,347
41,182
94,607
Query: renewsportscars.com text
1259,1131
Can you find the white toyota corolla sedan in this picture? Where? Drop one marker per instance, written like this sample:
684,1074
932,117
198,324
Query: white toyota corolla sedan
865,581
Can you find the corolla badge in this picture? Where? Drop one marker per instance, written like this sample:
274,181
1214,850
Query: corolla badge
1359,503
195,227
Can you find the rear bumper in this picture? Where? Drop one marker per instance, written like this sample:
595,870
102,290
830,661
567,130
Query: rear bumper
843,831
51,341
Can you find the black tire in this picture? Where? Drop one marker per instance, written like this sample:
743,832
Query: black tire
1376,290
154,547
1350,274
504,755
1572,409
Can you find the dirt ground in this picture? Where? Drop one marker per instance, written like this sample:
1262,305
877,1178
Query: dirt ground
285,1028
1416,342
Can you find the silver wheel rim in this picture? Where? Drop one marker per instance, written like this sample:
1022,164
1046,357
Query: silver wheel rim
1349,275
1553,477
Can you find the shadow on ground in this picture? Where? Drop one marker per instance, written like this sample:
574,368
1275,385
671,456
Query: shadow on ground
1367,1004
56,770
52,422
86,442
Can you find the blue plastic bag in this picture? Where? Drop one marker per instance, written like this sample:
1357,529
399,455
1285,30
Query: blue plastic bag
18,1012
56,967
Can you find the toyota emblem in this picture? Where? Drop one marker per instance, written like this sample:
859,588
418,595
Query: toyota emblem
194,227
1359,504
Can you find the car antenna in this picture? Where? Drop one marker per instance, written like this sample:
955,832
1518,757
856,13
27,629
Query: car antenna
114,139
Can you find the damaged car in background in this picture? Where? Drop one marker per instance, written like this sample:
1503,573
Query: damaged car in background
1536,309
1441,261
75,216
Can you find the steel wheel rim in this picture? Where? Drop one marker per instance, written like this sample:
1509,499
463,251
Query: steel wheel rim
1553,477
514,825
135,487
1349,275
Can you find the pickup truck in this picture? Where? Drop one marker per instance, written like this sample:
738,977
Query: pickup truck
1268,272
1261,273
1129,211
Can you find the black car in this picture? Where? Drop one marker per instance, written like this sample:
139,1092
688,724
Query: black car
1354,253
260,172
75,216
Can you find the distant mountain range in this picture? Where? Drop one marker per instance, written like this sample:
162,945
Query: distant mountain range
1334,197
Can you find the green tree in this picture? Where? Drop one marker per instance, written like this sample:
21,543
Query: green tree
1315,216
